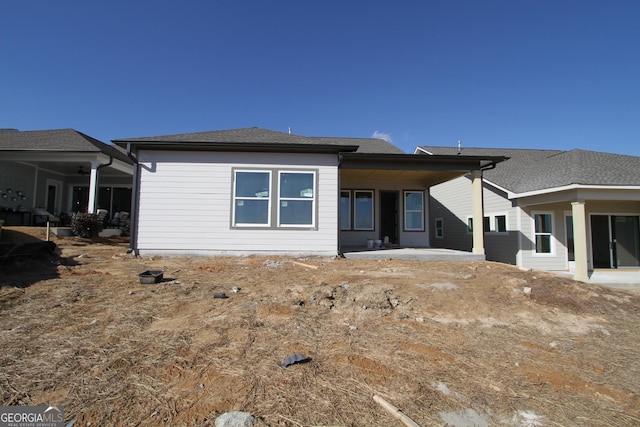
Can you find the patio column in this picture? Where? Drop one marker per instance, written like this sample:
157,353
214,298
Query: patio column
578,212
478,212
93,188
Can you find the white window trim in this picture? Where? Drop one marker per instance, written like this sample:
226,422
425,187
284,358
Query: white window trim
441,228
355,212
405,211
234,199
552,239
492,221
469,217
306,199
492,224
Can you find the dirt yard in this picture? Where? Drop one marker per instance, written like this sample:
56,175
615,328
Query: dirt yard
448,343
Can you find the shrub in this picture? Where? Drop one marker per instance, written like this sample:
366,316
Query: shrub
86,225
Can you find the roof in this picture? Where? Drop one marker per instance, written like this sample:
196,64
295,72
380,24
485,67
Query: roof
57,140
256,137
366,145
532,170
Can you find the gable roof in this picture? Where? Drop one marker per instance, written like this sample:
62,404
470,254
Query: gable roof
532,170
57,140
254,138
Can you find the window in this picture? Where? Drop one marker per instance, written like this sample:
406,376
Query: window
251,198
345,210
296,198
486,223
439,228
543,227
363,210
274,198
571,254
491,223
414,210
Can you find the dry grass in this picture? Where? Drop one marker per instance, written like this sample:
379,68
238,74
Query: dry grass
432,338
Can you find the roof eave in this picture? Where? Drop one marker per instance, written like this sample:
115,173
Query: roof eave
512,195
235,146
396,161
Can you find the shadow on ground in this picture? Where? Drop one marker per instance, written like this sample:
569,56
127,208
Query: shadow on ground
25,259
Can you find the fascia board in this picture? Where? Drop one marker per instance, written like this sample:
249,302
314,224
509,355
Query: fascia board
512,195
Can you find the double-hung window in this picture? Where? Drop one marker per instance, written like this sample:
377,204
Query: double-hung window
296,199
252,198
414,211
543,229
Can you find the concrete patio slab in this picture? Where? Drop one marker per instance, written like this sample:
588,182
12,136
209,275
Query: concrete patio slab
426,254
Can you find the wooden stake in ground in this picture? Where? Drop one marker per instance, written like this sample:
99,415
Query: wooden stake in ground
305,265
395,411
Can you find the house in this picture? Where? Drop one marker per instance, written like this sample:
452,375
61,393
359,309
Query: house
546,209
258,191
60,171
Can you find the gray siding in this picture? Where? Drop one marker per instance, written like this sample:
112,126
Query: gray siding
355,238
185,204
500,246
451,202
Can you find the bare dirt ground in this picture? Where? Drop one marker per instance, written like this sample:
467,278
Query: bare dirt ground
449,343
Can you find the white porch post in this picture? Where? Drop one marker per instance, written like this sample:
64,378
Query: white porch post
478,212
578,212
93,188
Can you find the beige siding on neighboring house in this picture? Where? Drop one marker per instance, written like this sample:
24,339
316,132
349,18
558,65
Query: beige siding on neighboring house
500,246
186,203
557,259
451,201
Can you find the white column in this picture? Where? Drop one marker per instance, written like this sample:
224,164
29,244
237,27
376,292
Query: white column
93,188
478,212
579,216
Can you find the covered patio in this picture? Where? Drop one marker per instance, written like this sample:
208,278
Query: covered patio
58,172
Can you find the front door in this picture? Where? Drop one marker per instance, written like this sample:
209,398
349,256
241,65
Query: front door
615,241
389,216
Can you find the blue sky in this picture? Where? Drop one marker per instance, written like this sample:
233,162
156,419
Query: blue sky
530,74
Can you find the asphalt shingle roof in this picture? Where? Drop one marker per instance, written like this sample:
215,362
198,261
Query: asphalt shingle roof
57,140
256,135
531,170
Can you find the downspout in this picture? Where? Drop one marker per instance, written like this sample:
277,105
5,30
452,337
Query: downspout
339,195
96,189
133,218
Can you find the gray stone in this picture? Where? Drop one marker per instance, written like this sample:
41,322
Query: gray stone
235,419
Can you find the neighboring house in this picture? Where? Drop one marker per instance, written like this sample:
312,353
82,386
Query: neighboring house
256,191
60,171
546,209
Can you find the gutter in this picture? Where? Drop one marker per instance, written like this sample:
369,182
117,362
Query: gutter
492,164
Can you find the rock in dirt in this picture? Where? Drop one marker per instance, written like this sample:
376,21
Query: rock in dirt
235,419
464,418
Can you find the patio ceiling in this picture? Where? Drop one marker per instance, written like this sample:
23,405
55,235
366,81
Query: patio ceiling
427,178
69,164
